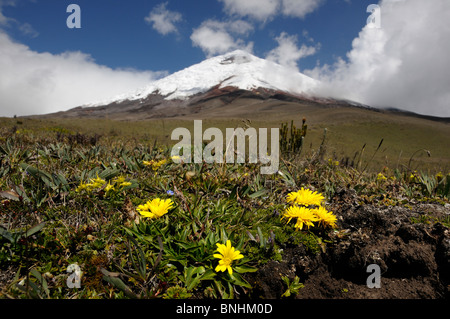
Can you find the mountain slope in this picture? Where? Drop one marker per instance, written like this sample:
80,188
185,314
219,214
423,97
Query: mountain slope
233,85
237,69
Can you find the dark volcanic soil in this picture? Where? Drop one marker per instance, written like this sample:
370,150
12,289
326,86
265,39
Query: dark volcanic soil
414,258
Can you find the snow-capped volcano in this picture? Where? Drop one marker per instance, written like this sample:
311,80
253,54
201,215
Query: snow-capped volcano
237,69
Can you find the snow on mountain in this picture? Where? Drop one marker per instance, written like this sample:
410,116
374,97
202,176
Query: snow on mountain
237,69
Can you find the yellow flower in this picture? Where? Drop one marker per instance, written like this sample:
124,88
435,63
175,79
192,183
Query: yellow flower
226,256
147,163
413,177
125,184
109,187
96,183
381,177
305,197
158,164
155,208
119,180
81,188
326,218
155,164
304,216
331,162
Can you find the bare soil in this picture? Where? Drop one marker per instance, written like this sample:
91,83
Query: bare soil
414,258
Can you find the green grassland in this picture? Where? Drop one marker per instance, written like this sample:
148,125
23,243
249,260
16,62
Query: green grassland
352,134
48,223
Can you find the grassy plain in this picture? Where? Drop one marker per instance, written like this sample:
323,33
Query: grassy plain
49,220
352,134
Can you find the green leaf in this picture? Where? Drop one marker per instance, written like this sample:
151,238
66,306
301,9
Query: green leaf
194,275
287,178
238,280
41,280
259,193
262,240
243,269
6,234
131,232
186,246
35,292
208,275
118,283
292,287
223,291
129,163
34,230
160,254
191,281
38,174
142,261
109,173
62,183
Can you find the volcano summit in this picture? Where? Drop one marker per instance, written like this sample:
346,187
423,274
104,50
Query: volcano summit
237,69
215,82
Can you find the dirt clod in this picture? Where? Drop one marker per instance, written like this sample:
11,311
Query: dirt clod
413,258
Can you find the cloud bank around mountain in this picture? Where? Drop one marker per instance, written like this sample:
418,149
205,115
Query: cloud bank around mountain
404,64
37,83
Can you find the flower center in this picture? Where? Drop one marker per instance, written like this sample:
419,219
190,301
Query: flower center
227,261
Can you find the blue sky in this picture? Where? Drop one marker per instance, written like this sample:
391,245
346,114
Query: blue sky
124,45
114,32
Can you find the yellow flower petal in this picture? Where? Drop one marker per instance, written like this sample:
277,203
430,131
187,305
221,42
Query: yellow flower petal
305,197
227,255
304,216
155,208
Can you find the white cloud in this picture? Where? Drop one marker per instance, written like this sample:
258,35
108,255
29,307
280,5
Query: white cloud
403,64
164,20
3,19
300,9
6,22
3,3
258,9
288,53
263,10
37,83
238,27
27,29
216,37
